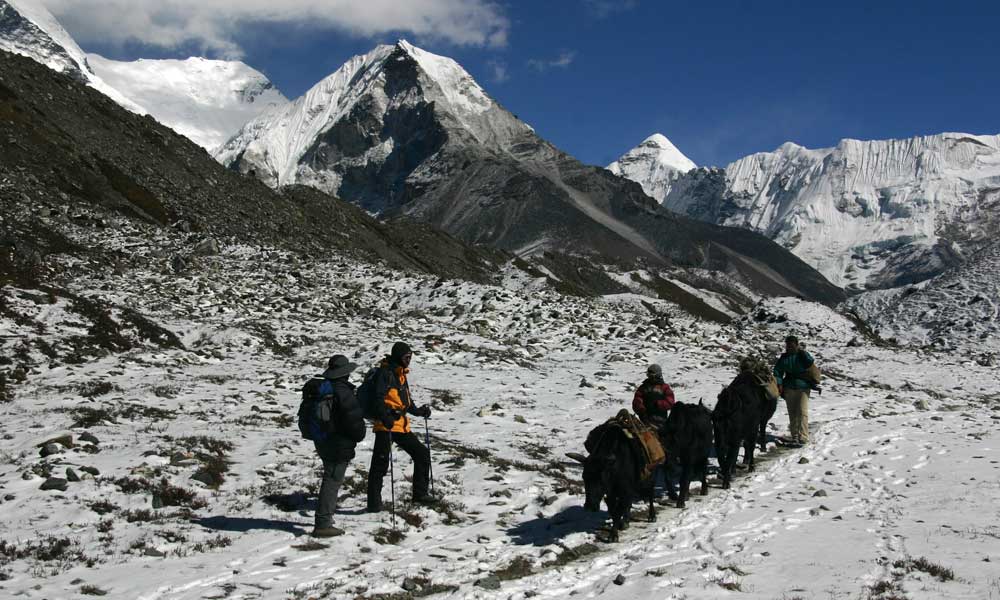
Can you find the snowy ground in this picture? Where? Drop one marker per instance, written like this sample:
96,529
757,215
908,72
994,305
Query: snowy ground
897,496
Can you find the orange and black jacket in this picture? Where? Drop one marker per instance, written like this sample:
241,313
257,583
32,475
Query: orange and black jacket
394,390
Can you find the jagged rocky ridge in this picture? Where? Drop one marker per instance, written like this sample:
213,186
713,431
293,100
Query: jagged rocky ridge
403,130
868,215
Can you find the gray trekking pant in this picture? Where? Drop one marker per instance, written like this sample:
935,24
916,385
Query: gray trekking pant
333,477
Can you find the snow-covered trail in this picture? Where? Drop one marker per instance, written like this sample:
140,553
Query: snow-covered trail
904,449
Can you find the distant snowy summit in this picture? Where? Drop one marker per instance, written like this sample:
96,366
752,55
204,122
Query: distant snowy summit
654,164
867,214
205,100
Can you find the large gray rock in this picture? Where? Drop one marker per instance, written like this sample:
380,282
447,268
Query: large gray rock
55,483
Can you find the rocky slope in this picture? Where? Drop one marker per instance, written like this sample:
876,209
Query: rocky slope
955,310
654,164
402,130
205,100
868,215
71,153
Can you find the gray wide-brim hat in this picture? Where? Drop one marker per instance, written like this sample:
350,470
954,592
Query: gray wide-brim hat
339,366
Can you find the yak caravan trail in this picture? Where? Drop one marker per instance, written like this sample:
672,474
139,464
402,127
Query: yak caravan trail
901,467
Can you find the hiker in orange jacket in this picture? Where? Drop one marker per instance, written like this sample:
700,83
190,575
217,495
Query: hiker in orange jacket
392,426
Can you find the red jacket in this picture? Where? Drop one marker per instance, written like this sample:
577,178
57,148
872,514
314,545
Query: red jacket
653,399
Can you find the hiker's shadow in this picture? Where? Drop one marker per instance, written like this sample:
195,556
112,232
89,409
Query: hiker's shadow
545,531
243,524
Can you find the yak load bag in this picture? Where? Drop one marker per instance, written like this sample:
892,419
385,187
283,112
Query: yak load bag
316,410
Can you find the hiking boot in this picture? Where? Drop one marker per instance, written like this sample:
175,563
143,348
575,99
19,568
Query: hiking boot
326,532
426,500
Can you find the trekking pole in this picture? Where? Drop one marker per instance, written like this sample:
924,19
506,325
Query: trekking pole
392,482
430,457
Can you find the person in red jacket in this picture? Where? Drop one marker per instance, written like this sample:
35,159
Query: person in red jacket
653,399
652,402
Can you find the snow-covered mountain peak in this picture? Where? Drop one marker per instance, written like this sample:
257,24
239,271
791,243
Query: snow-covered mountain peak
460,89
654,164
866,213
349,109
206,100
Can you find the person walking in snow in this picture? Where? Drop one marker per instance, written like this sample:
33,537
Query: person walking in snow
337,450
652,402
793,385
392,426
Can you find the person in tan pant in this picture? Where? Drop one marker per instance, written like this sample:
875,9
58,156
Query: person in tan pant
790,373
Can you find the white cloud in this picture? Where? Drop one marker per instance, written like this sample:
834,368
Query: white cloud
562,61
498,71
213,24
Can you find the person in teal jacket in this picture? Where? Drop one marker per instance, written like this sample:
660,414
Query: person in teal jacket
790,373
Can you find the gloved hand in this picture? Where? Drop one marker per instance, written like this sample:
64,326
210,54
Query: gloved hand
422,411
389,419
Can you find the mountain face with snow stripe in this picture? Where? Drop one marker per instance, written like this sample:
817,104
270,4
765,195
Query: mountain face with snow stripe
28,29
401,130
654,164
868,215
206,100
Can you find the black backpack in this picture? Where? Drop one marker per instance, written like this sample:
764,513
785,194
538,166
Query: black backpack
317,409
367,399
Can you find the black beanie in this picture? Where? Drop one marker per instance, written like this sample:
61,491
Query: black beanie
399,349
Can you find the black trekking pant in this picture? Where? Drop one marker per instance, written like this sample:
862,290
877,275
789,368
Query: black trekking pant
410,444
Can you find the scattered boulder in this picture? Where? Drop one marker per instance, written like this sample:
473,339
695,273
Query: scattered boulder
66,441
86,436
619,580
55,483
71,475
490,582
410,585
922,404
154,552
803,461
50,449
91,470
819,493
177,263
205,477
206,247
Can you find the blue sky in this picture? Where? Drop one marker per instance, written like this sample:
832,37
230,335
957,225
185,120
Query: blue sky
720,79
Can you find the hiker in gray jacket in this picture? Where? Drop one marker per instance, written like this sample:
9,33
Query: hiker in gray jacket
338,449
